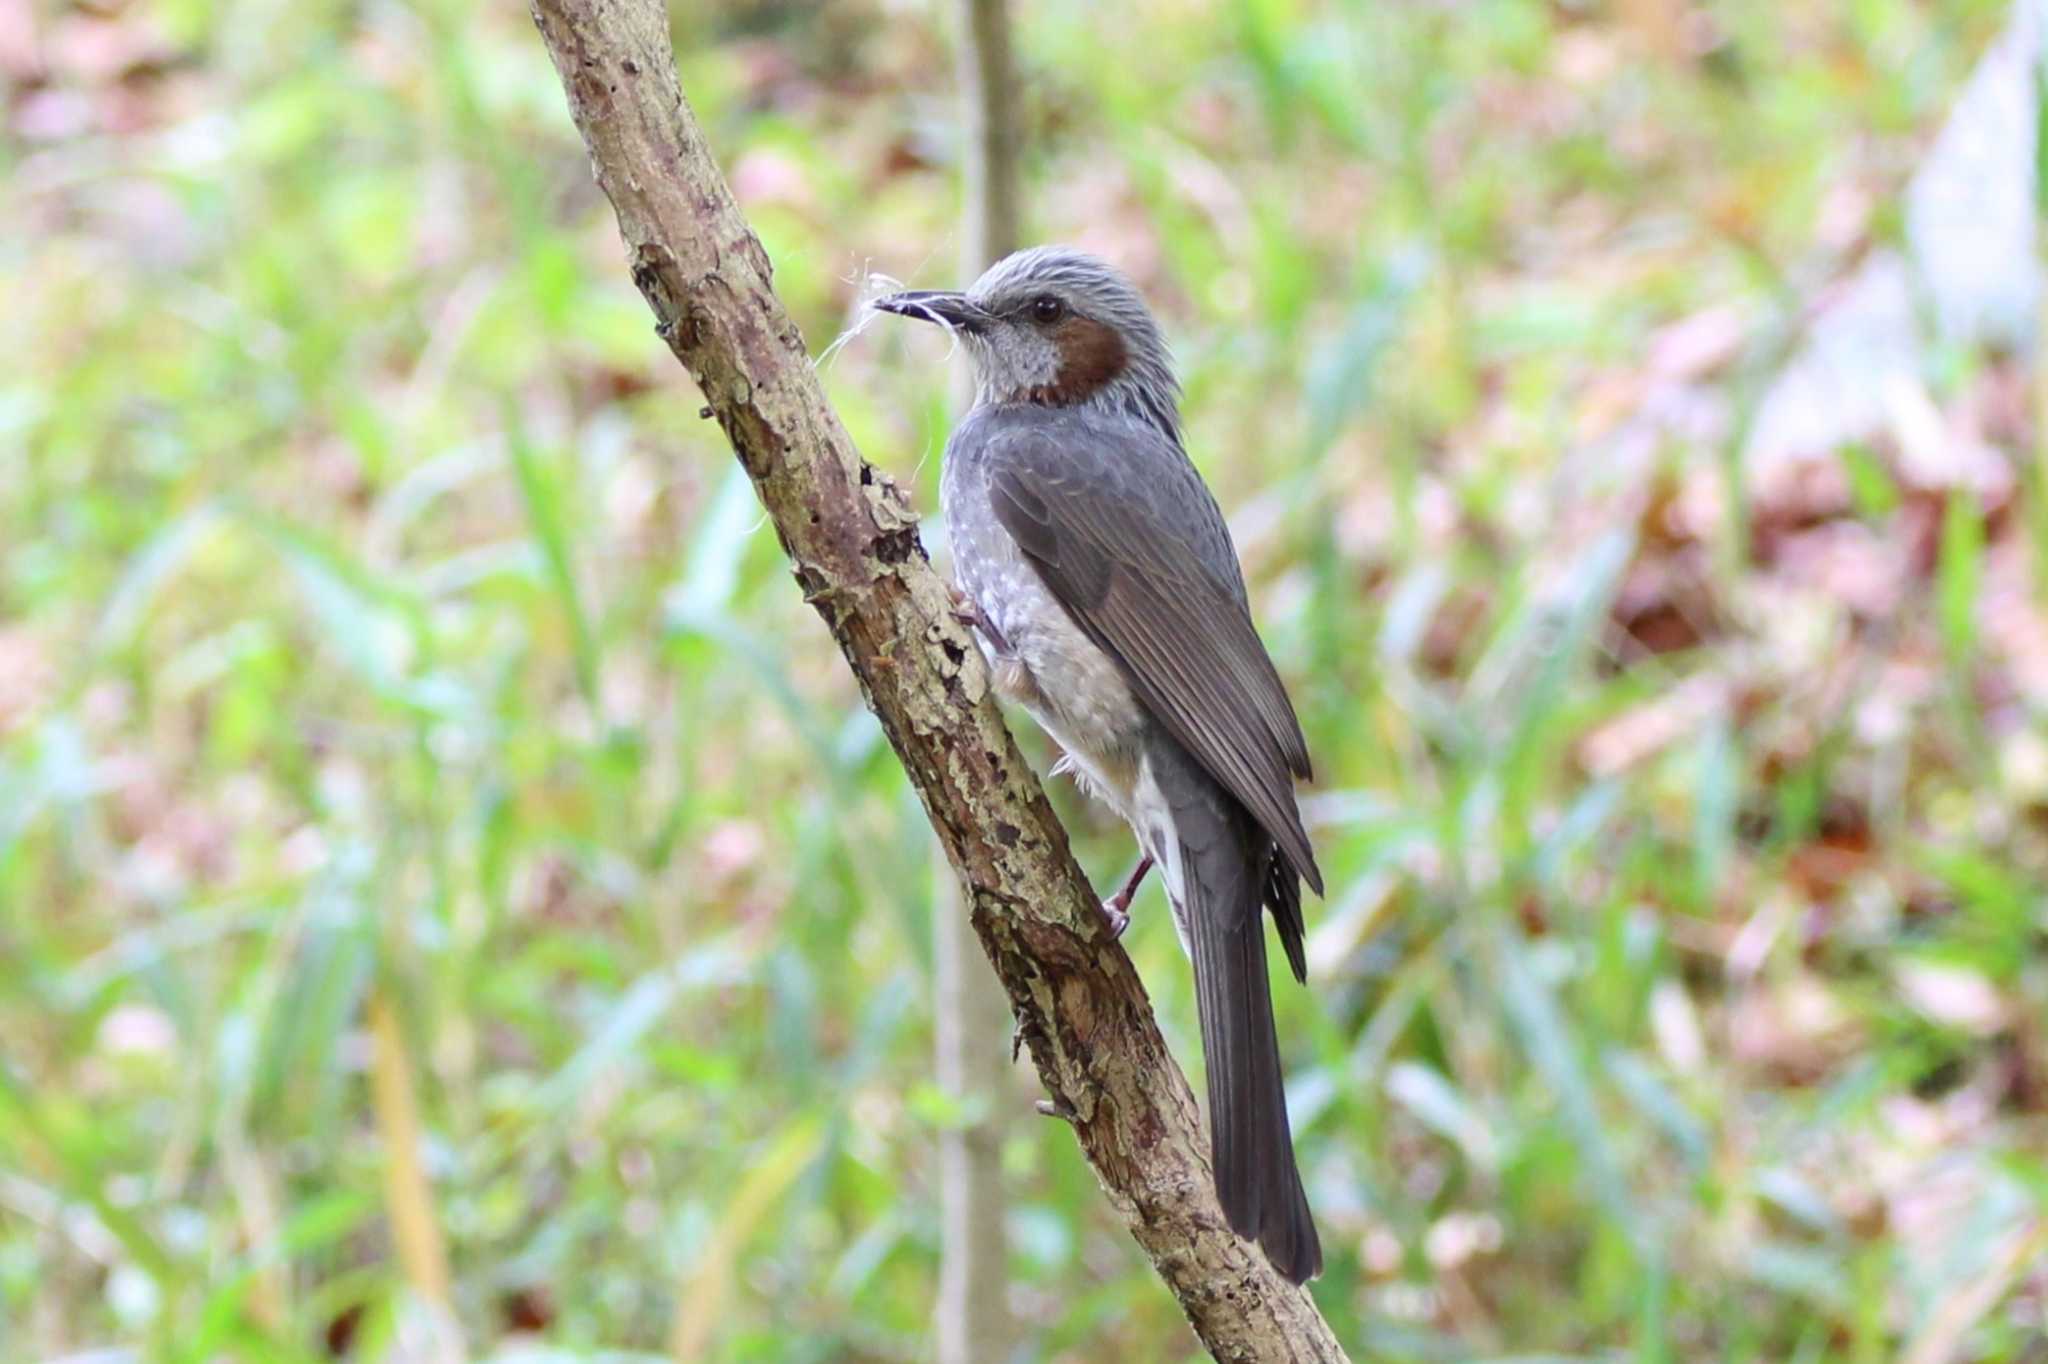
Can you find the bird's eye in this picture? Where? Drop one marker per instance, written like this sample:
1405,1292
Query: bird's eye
1046,308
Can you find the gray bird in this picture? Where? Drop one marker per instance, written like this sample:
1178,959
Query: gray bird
1103,588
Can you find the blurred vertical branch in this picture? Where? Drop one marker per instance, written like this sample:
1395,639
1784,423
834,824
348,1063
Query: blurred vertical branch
973,1035
970,1020
409,1199
854,547
988,96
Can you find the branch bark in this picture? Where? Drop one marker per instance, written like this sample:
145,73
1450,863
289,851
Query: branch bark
853,544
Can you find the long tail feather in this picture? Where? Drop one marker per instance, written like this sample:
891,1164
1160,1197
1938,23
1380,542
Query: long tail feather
1227,867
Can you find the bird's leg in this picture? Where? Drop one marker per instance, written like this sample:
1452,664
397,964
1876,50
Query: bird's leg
1117,908
972,616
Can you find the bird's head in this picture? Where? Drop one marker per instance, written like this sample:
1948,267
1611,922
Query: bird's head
1060,328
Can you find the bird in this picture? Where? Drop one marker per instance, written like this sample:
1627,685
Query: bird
1101,584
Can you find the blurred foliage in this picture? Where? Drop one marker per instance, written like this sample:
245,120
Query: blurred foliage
408,731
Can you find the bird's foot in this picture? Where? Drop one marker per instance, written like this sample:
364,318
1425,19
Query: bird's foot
974,618
1116,910
1115,917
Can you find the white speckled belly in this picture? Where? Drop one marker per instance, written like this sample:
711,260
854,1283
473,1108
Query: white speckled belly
1079,696
1072,688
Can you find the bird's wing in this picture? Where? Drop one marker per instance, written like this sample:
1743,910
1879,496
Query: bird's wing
1129,540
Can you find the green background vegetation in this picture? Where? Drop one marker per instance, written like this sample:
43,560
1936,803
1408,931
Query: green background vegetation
380,629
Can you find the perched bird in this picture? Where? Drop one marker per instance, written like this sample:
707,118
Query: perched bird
1102,586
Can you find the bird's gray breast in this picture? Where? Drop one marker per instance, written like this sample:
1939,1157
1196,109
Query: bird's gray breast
1075,690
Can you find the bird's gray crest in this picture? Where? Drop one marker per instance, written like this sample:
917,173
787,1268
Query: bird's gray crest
1093,288
1088,284
1016,353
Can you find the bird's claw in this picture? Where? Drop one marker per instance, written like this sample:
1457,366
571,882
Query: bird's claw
974,618
1057,1107
1116,910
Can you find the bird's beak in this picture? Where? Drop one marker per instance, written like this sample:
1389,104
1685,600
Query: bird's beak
942,306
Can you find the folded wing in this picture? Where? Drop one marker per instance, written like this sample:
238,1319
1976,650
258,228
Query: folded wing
1129,540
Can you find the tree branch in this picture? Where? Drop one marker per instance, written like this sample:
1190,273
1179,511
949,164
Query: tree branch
853,543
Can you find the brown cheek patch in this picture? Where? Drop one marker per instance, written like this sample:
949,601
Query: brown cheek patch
1090,356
